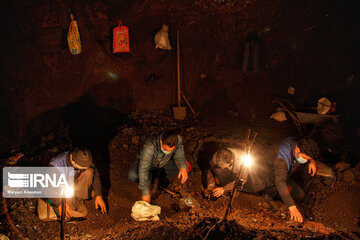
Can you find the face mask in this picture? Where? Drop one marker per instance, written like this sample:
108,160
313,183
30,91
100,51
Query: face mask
300,160
164,151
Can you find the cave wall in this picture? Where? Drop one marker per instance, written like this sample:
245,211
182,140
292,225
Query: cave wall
307,44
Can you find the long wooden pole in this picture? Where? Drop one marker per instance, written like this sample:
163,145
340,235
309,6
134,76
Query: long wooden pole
248,144
178,68
233,191
63,213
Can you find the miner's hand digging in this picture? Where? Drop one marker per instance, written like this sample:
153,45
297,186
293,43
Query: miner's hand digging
161,156
86,183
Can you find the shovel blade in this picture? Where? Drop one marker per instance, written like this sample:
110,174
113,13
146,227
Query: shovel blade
179,113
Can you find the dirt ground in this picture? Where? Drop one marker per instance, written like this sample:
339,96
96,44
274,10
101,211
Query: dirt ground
331,210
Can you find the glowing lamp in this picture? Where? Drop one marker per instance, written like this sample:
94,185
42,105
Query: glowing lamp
247,160
68,192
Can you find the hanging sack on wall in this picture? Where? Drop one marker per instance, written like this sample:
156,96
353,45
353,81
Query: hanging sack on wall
162,38
323,106
121,39
73,37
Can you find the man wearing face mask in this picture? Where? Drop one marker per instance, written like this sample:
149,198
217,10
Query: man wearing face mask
294,168
161,155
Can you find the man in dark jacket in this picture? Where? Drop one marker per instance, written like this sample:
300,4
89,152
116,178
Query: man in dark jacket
294,167
86,178
225,165
285,168
164,153
222,174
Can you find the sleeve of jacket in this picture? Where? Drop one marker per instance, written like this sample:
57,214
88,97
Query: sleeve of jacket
97,182
281,175
146,156
179,155
229,186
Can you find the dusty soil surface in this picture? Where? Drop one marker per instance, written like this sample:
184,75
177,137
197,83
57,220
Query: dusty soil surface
331,210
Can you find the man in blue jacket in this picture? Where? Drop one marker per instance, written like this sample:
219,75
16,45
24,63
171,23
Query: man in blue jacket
294,168
164,153
86,178
286,169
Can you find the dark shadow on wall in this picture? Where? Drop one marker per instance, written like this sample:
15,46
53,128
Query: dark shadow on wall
211,95
93,127
6,131
204,157
82,123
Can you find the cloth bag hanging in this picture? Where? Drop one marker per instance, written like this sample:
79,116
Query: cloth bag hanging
162,38
73,37
121,39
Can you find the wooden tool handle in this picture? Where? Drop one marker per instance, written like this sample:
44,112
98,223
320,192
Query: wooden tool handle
62,221
192,110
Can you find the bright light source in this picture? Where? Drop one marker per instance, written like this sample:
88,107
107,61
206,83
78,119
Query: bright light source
247,160
68,192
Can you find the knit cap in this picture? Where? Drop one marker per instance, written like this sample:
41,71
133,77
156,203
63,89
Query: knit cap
82,157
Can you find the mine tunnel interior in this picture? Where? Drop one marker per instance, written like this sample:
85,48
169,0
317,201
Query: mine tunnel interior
233,70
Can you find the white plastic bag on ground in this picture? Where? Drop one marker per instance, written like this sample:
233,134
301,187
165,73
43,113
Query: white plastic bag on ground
162,38
143,211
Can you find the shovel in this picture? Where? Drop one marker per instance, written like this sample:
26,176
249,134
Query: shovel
179,112
173,194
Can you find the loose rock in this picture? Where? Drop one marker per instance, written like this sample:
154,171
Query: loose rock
342,166
348,176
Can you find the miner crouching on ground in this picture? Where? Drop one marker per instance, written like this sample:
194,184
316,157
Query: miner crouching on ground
86,183
221,176
285,169
161,156
294,168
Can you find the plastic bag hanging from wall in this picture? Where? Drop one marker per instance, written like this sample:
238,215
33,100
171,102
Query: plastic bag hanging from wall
121,39
162,38
73,37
